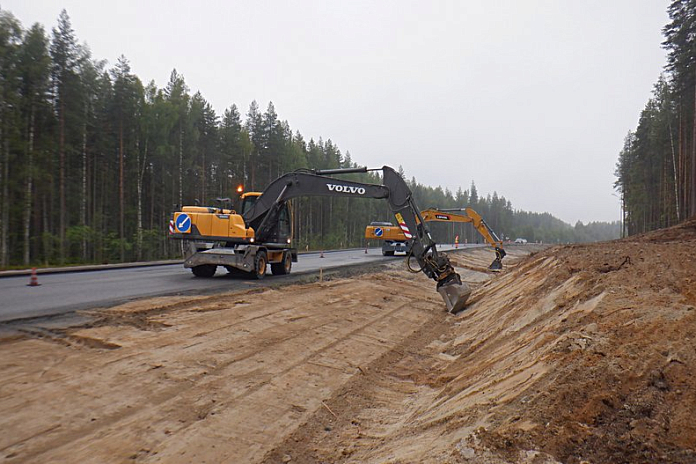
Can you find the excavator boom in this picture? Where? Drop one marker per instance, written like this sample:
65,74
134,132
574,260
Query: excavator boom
393,189
469,215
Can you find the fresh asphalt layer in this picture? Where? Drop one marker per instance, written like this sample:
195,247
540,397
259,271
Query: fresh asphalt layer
65,290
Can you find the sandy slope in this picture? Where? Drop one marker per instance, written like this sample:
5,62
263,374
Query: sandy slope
574,354
578,354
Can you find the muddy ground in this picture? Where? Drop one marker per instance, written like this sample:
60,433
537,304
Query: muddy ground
581,353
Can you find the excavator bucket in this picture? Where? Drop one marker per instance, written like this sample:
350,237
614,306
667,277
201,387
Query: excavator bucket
455,295
496,265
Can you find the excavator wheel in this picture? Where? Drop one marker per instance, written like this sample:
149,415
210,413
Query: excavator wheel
260,265
284,267
204,270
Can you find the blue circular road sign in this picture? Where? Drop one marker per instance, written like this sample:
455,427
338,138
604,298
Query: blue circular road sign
183,223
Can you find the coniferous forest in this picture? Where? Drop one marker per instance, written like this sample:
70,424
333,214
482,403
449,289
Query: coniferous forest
656,172
93,161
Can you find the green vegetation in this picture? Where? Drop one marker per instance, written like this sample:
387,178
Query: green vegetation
93,162
657,167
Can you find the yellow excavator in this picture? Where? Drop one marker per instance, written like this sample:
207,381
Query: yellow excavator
395,240
262,233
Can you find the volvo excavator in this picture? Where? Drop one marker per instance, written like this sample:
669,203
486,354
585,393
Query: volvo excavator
395,240
262,233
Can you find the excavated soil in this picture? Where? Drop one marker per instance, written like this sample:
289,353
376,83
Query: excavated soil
571,354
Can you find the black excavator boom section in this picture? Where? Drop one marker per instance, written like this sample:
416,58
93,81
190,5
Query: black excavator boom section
264,215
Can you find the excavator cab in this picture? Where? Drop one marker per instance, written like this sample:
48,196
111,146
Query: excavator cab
282,231
248,201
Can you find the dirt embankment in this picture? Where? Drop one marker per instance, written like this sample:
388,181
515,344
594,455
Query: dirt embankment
581,354
574,354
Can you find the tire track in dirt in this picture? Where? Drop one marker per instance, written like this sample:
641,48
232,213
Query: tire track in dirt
161,397
366,410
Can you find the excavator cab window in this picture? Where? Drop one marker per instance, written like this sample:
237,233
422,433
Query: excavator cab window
248,203
284,226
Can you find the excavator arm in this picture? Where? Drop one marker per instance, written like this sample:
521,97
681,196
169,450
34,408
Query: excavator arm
264,215
469,215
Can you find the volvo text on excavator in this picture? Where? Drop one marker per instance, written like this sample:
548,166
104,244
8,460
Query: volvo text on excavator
395,240
262,233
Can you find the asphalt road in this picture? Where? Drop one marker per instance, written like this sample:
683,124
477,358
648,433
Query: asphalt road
65,292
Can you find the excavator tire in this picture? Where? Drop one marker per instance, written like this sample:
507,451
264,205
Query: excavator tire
284,267
204,270
260,263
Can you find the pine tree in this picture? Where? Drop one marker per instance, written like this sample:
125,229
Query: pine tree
34,65
127,107
178,100
10,37
256,129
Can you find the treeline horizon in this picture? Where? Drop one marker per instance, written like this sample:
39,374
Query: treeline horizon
656,170
93,162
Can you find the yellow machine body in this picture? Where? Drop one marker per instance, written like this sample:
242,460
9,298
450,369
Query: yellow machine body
215,237
199,222
382,231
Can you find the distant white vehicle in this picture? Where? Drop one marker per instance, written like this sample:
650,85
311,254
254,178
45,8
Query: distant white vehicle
521,240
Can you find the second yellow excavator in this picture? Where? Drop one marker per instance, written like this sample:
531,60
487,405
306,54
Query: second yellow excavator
395,240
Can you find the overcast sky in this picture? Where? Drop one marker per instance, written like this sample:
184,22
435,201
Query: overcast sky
531,99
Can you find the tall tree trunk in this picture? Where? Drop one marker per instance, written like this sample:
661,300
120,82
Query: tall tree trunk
83,200
674,171
205,171
47,248
5,216
181,164
29,188
93,208
61,181
680,162
691,175
4,167
253,175
152,198
121,196
245,174
168,247
141,173
103,229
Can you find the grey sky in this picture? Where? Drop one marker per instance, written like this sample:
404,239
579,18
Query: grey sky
528,98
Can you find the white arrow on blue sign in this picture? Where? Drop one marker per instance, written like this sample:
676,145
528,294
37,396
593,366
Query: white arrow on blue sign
379,232
183,223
